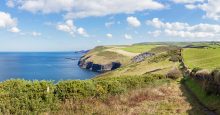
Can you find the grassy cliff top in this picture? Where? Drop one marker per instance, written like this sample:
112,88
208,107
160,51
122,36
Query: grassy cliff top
120,53
205,58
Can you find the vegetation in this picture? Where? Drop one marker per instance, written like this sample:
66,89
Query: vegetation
206,58
211,101
148,87
175,73
27,97
139,48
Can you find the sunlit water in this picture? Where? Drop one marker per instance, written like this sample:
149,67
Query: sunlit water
42,66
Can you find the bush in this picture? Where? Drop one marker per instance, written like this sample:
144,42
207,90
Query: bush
202,75
75,89
19,97
194,70
158,58
216,76
175,58
35,97
174,74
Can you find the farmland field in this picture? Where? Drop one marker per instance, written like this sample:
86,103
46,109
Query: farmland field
139,48
206,58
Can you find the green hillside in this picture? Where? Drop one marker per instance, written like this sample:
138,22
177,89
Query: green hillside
206,58
156,85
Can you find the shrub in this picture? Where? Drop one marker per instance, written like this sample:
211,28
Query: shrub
75,89
35,97
158,58
175,58
174,74
202,75
194,70
216,76
19,97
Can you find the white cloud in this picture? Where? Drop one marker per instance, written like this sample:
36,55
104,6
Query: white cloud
43,6
35,34
68,26
210,7
127,36
155,33
191,6
85,8
133,21
109,35
159,24
14,30
187,1
184,30
6,20
189,34
109,24
81,31
10,3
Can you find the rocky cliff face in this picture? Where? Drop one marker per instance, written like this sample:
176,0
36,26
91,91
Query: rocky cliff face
83,63
142,56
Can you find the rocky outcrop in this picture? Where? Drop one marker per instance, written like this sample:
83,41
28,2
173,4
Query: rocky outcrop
83,63
141,57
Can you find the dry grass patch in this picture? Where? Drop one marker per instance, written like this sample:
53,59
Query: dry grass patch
163,98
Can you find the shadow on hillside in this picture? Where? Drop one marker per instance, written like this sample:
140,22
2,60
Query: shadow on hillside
196,109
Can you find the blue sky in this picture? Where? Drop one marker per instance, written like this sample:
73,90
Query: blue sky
68,25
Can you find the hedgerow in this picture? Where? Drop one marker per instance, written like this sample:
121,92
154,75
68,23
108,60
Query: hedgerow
34,97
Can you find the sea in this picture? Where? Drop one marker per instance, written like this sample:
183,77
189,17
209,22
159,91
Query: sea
54,66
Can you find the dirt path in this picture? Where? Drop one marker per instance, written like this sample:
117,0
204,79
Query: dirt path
125,53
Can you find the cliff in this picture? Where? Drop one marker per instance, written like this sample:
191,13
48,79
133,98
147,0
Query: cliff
83,63
104,58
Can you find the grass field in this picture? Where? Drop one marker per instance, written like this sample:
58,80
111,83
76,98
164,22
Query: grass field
122,54
206,58
139,48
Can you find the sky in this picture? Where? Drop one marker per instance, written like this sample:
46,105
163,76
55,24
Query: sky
70,25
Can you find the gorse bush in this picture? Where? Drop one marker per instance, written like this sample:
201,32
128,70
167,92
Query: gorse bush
175,73
19,96
34,97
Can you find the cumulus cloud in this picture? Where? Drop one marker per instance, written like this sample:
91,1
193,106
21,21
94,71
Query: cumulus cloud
70,28
85,8
42,6
14,30
7,22
127,36
184,30
82,31
133,21
109,35
210,7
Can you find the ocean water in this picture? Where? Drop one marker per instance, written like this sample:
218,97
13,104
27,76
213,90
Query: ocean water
42,66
